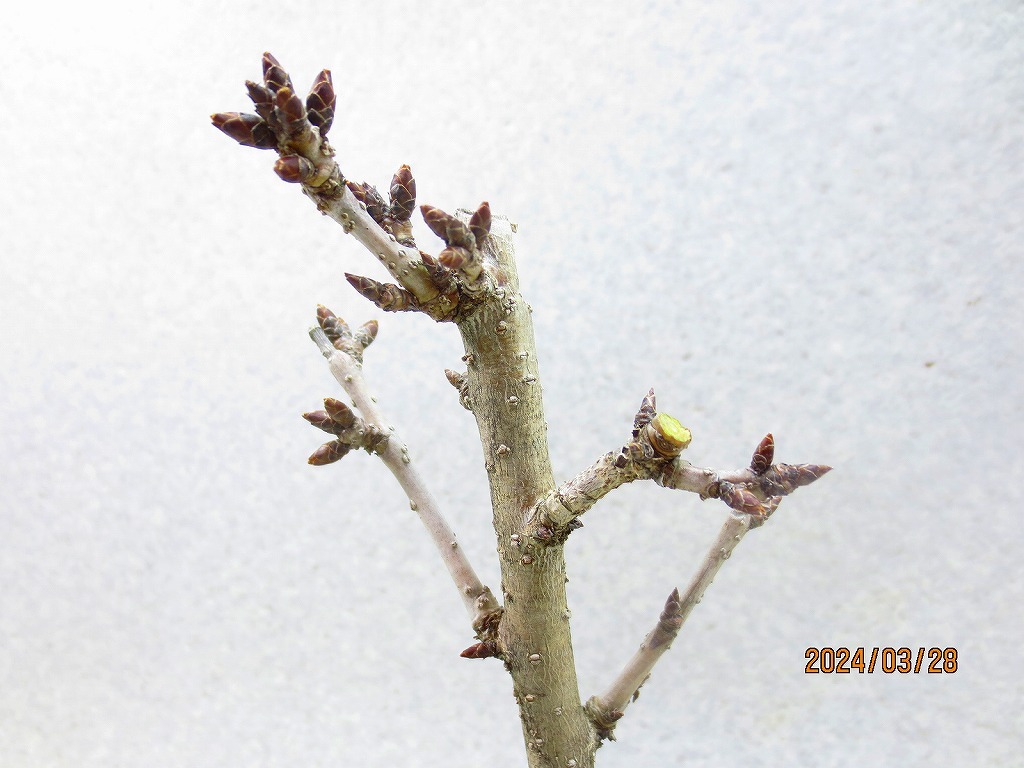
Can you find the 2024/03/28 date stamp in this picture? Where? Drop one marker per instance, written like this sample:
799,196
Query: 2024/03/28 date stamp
844,660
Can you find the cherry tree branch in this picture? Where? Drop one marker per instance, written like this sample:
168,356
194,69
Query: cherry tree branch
297,129
653,453
607,708
346,367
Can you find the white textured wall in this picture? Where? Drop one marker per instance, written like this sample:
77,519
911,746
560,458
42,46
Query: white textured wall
804,218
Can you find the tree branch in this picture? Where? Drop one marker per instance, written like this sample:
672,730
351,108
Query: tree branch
653,454
477,598
605,710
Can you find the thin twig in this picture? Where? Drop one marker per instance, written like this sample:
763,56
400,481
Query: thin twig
477,598
607,708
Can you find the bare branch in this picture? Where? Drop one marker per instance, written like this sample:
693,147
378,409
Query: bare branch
477,598
653,453
298,131
605,710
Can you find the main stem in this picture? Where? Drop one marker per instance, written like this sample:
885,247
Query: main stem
534,637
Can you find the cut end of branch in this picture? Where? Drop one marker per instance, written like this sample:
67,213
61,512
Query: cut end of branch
667,435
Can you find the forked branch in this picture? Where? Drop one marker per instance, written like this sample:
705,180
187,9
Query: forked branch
653,453
373,433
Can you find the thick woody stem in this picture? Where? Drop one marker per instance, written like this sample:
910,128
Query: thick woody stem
608,707
533,637
477,598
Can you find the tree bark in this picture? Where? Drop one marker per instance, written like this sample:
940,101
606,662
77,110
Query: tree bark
533,638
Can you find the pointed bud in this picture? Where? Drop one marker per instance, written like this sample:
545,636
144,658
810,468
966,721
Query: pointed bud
480,223
320,420
454,257
274,75
321,101
387,296
367,333
447,227
335,328
455,378
740,499
357,191
263,99
403,194
763,456
339,413
248,130
480,651
648,407
783,479
291,112
670,621
439,274
294,169
328,453
375,205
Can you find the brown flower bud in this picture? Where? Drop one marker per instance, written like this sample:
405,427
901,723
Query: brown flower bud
387,296
294,169
670,621
274,75
648,407
454,257
447,227
763,455
328,453
480,651
403,194
438,273
291,112
455,378
375,205
480,223
740,499
367,333
339,413
320,420
783,479
321,101
333,326
263,99
248,130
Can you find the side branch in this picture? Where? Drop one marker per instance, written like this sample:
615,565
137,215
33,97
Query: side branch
653,453
606,709
477,598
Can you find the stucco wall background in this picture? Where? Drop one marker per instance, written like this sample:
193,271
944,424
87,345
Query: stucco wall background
803,218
